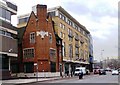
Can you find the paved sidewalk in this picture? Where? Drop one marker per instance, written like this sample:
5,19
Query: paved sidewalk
28,80
32,80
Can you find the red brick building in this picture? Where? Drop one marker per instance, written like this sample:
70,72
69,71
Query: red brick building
39,46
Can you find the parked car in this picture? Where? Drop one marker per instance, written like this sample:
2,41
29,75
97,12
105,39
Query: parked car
115,72
87,72
102,72
96,71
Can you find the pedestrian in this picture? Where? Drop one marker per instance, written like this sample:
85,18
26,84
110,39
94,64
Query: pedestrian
80,74
67,72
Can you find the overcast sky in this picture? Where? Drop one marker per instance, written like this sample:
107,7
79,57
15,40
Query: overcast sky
100,17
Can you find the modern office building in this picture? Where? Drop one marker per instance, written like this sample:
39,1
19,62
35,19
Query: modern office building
75,39
39,46
8,38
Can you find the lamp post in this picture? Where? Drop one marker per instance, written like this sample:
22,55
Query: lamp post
102,54
102,57
10,50
36,64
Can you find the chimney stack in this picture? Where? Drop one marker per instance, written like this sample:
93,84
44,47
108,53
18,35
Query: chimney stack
42,12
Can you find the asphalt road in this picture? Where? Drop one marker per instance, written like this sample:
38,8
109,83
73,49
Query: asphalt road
108,79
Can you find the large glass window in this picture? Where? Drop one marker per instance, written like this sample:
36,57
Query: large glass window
23,20
8,15
29,67
5,33
0,12
5,14
15,68
70,50
5,62
53,66
63,50
52,13
29,52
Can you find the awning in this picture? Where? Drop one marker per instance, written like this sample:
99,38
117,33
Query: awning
72,61
9,54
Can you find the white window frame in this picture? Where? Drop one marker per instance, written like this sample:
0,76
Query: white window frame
27,49
31,40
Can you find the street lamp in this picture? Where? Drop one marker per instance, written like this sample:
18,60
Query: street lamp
102,57
36,64
102,54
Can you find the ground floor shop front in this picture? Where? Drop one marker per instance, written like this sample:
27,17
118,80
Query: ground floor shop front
69,67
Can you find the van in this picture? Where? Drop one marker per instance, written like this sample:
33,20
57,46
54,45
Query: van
78,69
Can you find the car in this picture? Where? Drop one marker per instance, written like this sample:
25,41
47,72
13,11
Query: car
102,72
87,72
115,72
78,69
96,71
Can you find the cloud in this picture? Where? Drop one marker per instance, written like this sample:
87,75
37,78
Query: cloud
101,19
97,8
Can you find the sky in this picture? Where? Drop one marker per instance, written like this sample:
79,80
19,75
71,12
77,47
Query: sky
100,17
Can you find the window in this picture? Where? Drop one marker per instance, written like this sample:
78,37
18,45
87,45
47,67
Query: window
5,62
79,29
70,22
23,20
82,54
0,12
61,34
62,16
62,26
29,67
29,52
52,13
53,66
76,36
5,33
52,52
32,37
15,68
70,32
77,50
50,38
8,15
70,35
63,50
5,14
70,50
